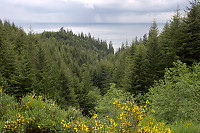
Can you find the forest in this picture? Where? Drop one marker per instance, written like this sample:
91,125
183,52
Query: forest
66,82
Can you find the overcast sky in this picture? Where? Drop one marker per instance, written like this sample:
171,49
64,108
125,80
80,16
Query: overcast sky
89,11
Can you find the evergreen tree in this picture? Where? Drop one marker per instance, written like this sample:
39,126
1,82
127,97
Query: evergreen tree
102,76
44,81
128,68
1,32
123,47
153,54
119,68
21,79
170,40
140,71
145,39
190,49
110,48
67,93
8,58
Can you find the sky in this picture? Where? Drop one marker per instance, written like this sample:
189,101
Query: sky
89,11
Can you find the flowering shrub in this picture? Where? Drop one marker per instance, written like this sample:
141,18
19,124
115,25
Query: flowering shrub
20,123
34,114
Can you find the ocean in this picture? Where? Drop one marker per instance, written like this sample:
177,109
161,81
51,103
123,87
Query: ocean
118,33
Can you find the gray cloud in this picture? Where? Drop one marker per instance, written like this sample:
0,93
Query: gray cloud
89,10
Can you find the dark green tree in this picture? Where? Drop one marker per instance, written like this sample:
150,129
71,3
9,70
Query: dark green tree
21,80
110,48
140,71
8,58
153,54
119,68
128,68
170,40
190,49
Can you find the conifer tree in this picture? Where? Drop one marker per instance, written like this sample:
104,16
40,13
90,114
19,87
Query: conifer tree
21,79
170,40
110,48
1,32
140,71
145,39
119,68
43,80
69,88
190,49
153,53
127,80
8,56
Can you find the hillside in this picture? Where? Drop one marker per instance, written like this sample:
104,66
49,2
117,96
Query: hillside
59,65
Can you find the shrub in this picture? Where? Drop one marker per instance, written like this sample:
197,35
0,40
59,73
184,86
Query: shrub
105,106
35,114
176,97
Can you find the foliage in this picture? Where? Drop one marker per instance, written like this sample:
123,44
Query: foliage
171,39
105,105
140,78
185,127
59,65
6,103
35,114
191,42
153,54
176,97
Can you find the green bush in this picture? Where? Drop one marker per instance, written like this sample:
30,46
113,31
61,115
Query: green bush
105,106
34,114
176,97
37,114
7,103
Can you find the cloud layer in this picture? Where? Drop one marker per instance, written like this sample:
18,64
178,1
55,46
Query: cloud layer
89,11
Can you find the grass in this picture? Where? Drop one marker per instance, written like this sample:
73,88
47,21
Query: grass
185,127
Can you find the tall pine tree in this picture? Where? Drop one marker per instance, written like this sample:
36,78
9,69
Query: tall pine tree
170,40
190,49
153,54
